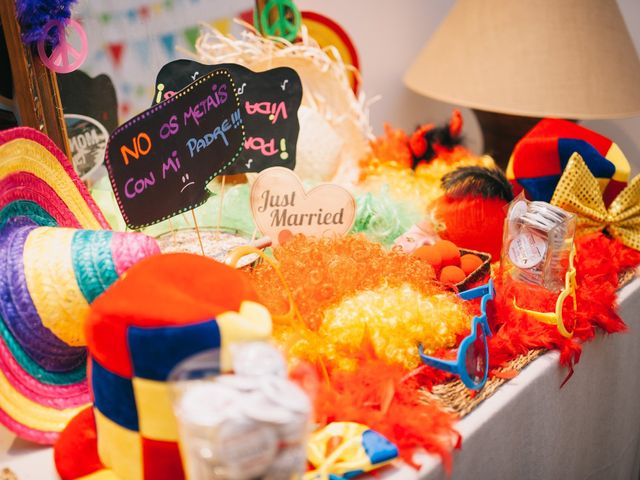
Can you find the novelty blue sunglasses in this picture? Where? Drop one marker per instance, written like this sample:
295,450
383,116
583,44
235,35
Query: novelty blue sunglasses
472,364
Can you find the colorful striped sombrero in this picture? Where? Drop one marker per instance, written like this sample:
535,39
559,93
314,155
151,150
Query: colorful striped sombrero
51,269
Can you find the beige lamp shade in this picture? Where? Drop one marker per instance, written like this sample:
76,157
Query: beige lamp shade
562,58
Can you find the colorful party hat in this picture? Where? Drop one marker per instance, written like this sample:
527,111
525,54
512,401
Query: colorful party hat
166,309
541,156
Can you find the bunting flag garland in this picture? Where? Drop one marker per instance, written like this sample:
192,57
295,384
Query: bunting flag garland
115,51
191,35
132,15
144,12
131,41
125,108
169,43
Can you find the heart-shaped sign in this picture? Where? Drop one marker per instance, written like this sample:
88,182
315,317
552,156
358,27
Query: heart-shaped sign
282,208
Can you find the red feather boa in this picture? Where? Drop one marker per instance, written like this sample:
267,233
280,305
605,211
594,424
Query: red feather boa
385,398
599,260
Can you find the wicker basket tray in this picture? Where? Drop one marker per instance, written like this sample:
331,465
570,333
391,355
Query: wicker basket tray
479,273
456,398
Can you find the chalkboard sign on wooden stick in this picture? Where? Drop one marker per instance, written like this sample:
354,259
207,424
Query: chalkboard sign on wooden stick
160,161
269,108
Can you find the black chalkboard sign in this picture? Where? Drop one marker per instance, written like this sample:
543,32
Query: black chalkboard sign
160,161
269,108
90,109
94,97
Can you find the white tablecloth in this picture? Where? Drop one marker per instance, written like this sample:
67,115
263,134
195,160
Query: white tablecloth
529,429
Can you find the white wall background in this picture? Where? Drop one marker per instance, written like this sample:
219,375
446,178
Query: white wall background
388,36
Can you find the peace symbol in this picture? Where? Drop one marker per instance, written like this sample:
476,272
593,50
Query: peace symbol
287,20
64,58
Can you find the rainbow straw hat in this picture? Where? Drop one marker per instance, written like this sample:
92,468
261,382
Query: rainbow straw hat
51,269
166,309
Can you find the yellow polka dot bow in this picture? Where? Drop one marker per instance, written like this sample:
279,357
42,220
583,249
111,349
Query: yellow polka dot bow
578,192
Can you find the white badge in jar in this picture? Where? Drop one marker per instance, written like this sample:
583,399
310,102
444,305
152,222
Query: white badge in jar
527,250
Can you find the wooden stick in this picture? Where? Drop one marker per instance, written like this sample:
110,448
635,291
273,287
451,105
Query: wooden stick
273,14
195,222
260,4
173,231
251,178
261,243
115,202
220,208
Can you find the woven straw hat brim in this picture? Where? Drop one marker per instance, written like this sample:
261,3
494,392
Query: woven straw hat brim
27,150
29,419
48,267
31,434
26,209
23,187
129,248
9,347
91,254
54,396
19,312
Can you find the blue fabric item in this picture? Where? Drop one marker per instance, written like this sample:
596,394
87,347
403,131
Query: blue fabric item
113,396
26,208
378,448
540,188
600,167
347,475
92,262
155,351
